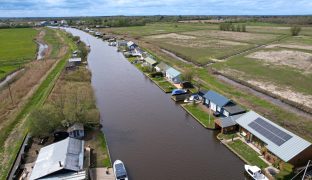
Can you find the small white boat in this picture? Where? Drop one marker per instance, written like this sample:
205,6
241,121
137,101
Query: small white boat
255,172
120,170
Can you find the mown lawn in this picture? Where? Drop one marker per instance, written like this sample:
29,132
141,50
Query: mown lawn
17,46
247,153
164,84
201,115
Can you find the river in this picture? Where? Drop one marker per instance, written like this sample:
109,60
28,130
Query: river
150,133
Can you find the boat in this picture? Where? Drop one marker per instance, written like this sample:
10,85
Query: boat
194,98
178,92
255,172
120,170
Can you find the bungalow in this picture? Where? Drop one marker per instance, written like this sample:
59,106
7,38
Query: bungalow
62,159
221,105
131,45
162,67
76,61
278,142
150,62
137,52
173,75
122,43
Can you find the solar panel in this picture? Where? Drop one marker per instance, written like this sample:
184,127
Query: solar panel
274,134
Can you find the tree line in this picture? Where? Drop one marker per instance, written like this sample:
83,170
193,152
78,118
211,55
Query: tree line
232,27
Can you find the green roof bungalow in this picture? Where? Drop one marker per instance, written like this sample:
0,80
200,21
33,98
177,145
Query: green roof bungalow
150,62
173,75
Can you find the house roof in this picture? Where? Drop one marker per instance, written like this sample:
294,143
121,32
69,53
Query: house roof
216,98
172,72
150,61
130,43
228,121
269,132
234,109
163,66
81,175
68,152
122,43
74,60
202,92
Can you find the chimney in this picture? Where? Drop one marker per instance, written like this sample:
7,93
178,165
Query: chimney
60,164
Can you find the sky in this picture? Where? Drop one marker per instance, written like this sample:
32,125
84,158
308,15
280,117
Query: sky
60,8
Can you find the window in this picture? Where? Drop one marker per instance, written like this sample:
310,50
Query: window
218,109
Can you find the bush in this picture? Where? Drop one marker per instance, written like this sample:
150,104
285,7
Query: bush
295,30
157,74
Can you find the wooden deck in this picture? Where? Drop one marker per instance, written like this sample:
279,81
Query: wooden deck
100,174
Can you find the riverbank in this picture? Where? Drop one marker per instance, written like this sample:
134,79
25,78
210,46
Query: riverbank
13,132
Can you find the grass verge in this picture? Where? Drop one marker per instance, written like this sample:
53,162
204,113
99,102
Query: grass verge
201,116
247,153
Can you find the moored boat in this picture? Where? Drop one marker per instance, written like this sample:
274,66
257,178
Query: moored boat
255,172
120,170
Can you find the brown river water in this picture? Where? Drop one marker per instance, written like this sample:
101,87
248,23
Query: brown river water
149,132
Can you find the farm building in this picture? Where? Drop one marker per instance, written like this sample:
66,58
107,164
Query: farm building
76,61
76,131
173,75
162,67
62,159
150,62
279,142
221,105
131,45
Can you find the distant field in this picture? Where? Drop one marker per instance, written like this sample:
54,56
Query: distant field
17,46
197,49
253,38
159,28
285,72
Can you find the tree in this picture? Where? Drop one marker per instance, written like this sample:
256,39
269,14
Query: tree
43,121
295,30
188,75
244,28
238,28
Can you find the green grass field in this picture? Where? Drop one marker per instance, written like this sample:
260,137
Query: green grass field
247,153
17,46
203,50
159,28
53,40
201,115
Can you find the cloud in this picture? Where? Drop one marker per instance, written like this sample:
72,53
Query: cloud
152,7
